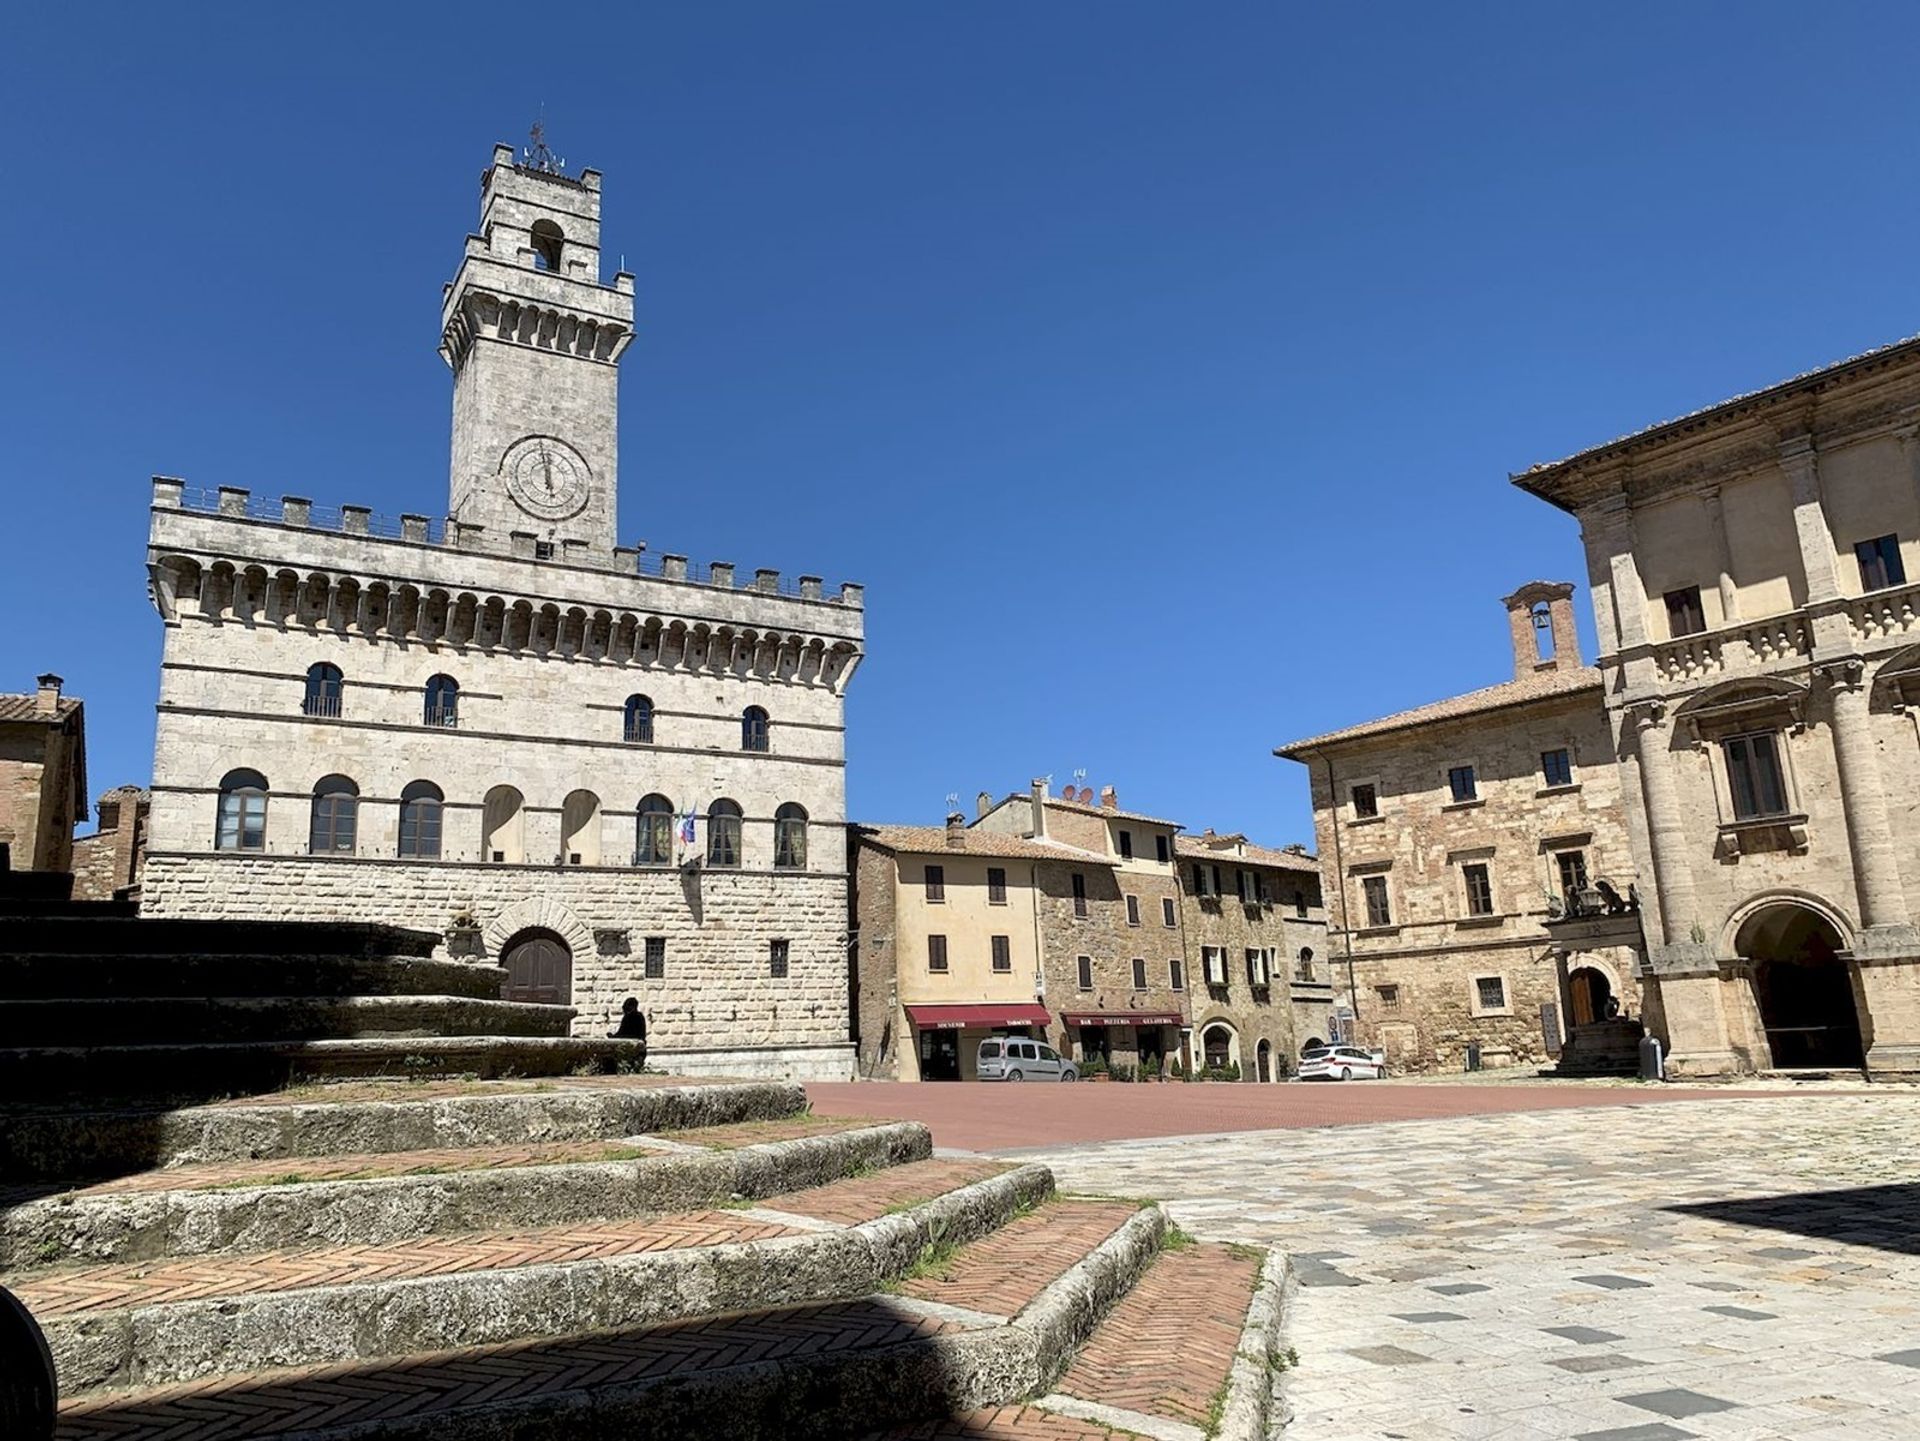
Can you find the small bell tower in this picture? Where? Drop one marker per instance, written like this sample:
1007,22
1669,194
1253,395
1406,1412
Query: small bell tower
534,340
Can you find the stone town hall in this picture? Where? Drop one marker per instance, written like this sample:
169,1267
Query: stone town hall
503,726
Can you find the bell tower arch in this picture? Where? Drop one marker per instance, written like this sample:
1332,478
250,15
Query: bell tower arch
534,340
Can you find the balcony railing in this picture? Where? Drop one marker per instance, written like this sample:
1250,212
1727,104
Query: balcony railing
443,715
1885,613
1744,646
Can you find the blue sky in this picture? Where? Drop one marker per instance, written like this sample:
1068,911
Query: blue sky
1157,367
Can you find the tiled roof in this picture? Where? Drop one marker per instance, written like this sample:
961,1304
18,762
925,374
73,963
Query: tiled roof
27,708
1805,378
1476,702
1110,813
932,840
1246,853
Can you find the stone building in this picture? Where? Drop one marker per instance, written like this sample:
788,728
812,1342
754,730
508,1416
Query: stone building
1112,944
43,776
108,863
947,942
1454,833
1256,934
1760,650
503,725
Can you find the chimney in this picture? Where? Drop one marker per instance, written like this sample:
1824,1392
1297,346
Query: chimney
47,701
956,832
1540,619
1109,799
1039,808
982,803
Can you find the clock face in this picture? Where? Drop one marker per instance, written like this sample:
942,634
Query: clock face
546,478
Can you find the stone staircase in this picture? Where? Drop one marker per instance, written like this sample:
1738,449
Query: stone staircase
1601,1048
411,1253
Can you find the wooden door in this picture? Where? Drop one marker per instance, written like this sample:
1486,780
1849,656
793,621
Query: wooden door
540,970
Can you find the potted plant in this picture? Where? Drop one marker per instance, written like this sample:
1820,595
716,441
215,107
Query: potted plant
1094,1068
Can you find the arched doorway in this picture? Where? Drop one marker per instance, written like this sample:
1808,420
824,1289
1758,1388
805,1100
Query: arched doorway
1803,988
539,969
1588,992
1216,1047
1263,1053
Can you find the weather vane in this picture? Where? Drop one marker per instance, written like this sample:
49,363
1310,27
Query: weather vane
537,154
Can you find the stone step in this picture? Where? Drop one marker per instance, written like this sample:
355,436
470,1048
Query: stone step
68,1144
191,1072
154,1323
380,1198
796,1372
176,1021
59,975
117,933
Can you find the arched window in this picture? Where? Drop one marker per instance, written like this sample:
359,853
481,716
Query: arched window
323,690
420,808
753,729
790,837
243,812
503,834
723,834
443,701
1305,970
639,726
653,832
548,242
336,801
1216,1043
580,829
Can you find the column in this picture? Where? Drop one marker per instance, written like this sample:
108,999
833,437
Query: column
1876,867
1798,462
1666,830
1722,557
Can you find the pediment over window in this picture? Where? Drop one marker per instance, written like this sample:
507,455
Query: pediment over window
1739,705
1899,679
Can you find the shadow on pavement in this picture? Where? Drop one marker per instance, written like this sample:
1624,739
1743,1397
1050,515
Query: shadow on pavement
1886,1217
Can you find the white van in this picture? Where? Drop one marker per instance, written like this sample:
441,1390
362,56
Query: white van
1014,1058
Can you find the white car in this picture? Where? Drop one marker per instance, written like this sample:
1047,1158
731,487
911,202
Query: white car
1012,1058
1341,1063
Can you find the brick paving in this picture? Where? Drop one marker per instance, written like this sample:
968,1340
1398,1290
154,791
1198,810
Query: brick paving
755,1133
1005,1423
992,1116
862,1198
68,1291
1739,1268
342,1395
1166,1349
1001,1272
342,1092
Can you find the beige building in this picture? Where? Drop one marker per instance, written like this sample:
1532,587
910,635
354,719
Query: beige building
1256,935
503,725
947,945
108,863
1454,834
1112,942
1760,664
43,776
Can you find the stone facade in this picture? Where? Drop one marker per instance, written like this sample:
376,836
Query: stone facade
1256,934
1760,649
1455,833
43,776
108,864
496,728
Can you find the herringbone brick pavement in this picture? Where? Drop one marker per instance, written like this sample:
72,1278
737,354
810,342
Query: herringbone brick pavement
276,1403
755,1133
1000,1273
320,1093
861,1198
68,1290
1166,1349
1005,1423
343,1168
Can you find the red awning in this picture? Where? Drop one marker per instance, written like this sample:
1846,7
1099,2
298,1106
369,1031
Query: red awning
1121,1018
954,1018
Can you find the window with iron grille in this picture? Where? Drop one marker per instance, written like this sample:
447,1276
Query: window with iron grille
1753,773
1083,965
1002,953
443,701
936,883
1556,767
656,961
777,959
1366,802
1685,614
1460,780
753,729
996,885
1379,912
1573,872
1079,895
1139,974
324,684
1880,563
1492,992
936,953
1133,910
1389,997
637,720
1167,912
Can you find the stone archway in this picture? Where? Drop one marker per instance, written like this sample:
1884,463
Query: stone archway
540,914
1588,993
1803,987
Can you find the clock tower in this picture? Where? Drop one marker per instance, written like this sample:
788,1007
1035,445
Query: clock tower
534,341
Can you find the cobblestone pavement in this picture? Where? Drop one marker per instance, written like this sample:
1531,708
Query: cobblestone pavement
1734,1268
